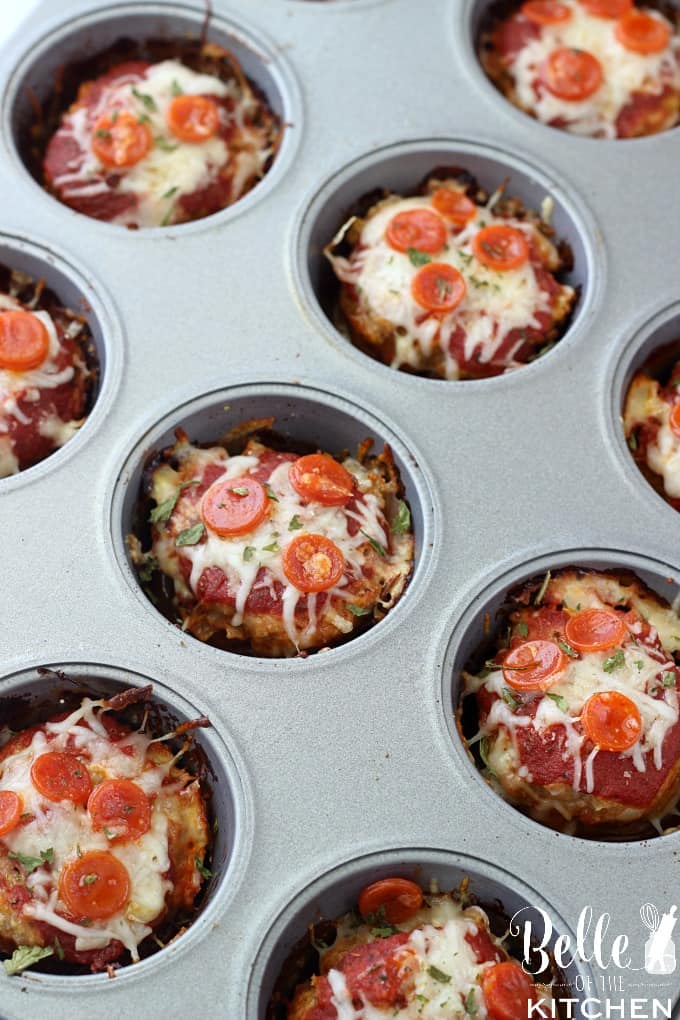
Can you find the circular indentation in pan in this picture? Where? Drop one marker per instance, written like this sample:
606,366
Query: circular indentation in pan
33,695
83,38
652,353
310,419
336,892
473,642
475,19
77,291
401,168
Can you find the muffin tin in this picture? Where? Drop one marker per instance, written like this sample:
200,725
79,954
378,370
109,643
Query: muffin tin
343,766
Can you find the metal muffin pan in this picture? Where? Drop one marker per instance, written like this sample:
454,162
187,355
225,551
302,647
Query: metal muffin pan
347,753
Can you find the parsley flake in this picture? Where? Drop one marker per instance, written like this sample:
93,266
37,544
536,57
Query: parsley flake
614,661
561,702
148,101
568,650
522,629
90,879
632,442
542,590
147,568
471,1003
381,551
356,610
176,88
26,956
273,547
417,257
190,536
163,512
438,975
248,553
668,679
164,145
295,523
510,699
31,863
103,133
240,490
201,868
270,492
170,192
402,520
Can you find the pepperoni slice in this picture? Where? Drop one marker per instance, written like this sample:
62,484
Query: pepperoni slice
320,478
607,8
416,228
593,630
642,32
438,287
312,563
119,140
674,419
546,12
534,665
120,808
500,247
394,899
61,776
193,118
11,808
507,991
234,506
454,205
24,341
571,74
611,720
95,885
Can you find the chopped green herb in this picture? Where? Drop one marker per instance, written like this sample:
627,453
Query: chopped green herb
90,879
147,568
471,1003
144,98
190,536
422,998
510,699
108,833
356,610
295,523
465,256
201,868
31,863
273,547
58,948
167,219
170,192
26,956
568,650
270,492
402,520
176,88
561,702
164,145
632,442
668,679
476,282
418,258
240,490
143,118
383,933
542,590
163,512
103,133
381,551
484,754
614,661
438,975
114,116
522,628
639,664
248,553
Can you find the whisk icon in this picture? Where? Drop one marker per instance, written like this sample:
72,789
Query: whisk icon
659,947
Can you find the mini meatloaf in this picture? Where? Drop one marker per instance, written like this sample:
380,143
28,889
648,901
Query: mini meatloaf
601,68
407,955
578,707
47,372
451,283
651,421
102,839
273,552
152,144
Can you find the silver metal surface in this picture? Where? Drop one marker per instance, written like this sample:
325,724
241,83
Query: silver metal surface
349,752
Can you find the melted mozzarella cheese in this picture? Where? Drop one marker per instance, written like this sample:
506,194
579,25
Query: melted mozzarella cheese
65,828
437,943
495,303
241,557
624,72
663,456
171,168
26,387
